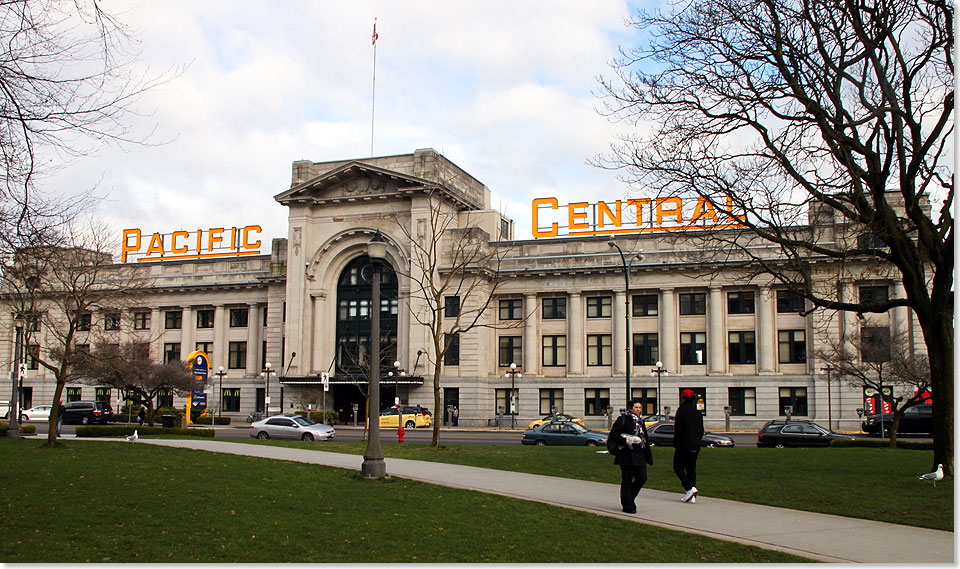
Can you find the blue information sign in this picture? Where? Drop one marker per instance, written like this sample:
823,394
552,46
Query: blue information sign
199,400
200,367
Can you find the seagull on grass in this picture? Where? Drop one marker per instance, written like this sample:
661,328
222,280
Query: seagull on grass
935,475
133,438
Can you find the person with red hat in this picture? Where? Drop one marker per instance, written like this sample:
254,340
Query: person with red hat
687,437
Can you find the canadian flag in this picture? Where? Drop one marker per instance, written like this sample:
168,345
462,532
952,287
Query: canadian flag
375,36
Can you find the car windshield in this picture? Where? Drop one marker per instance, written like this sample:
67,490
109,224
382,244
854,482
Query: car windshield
302,421
578,428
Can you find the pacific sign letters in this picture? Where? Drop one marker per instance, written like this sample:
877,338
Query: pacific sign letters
199,244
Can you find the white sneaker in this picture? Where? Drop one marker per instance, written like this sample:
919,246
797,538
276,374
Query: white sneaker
689,495
693,500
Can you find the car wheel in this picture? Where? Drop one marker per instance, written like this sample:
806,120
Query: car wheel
778,445
85,420
306,437
410,425
591,443
24,418
710,445
541,443
263,435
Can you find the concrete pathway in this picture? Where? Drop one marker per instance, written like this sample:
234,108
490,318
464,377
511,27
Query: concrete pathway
815,536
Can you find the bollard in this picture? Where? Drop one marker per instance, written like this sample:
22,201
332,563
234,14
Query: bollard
400,434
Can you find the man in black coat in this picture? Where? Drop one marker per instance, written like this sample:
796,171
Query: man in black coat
687,437
631,457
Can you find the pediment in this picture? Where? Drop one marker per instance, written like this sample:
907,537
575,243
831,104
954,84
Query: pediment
353,180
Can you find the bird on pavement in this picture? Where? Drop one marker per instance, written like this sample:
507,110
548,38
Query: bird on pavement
935,475
133,438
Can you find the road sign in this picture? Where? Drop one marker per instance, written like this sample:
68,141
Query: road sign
325,378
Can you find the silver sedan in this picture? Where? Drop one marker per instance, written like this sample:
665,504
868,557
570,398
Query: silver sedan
291,427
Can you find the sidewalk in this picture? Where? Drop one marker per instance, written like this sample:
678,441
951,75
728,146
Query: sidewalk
815,536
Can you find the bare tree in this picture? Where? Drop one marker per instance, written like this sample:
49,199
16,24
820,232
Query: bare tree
129,368
57,287
450,258
883,362
828,126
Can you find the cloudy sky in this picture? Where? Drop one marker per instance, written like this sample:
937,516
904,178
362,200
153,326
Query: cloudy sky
504,89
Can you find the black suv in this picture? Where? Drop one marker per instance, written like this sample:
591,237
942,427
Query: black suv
914,420
86,412
780,433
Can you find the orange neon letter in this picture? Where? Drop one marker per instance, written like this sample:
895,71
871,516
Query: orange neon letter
676,212
126,246
553,204
246,237
156,245
639,203
173,244
705,210
578,219
603,210
216,236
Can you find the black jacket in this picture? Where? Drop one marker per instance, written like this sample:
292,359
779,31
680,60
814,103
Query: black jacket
688,430
618,448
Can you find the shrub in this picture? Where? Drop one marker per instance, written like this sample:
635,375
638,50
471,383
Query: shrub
25,429
92,431
206,420
883,443
317,416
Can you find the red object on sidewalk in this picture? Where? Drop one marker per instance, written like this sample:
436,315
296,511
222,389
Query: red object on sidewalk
400,434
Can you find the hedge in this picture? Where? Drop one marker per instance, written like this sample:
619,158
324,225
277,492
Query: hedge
126,430
25,429
883,443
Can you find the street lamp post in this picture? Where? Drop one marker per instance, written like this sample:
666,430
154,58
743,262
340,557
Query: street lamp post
829,368
373,465
13,428
267,371
513,374
220,373
658,371
626,277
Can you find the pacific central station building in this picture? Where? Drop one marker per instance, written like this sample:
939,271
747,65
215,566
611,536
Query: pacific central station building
556,308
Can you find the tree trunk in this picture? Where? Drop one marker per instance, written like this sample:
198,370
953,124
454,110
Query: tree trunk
54,413
938,335
437,409
894,427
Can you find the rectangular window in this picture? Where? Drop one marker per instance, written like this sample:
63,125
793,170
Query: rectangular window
452,356
451,306
33,356
511,309
599,306
82,348
789,302
173,319
511,350
793,346
205,318
231,400
83,322
743,401
111,321
237,357
595,401
73,394
693,348
164,398
743,348
645,305
505,404
171,352
693,303
555,308
238,317
795,397
554,351
388,306
740,302
102,395
874,294
647,397
875,344
264,314
646,349
141,320
207,348
551,401
599,349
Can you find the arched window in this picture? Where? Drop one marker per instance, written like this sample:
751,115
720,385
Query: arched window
354,291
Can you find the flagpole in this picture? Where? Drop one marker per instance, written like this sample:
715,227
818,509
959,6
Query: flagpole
373,102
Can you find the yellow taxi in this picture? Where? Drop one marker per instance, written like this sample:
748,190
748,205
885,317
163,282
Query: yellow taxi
413,417
557,417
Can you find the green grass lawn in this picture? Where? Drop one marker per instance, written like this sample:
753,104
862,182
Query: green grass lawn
870,483
108,502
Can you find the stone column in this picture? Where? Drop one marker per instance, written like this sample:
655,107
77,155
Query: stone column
253,344
531,340
716,338
849,323
901,315
187,325
317,364
766,331
669,340
575,339
220,336
156,331
619,340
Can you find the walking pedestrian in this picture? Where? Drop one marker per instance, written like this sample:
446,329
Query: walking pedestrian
687,437
141,415
627,441
456,416
61,409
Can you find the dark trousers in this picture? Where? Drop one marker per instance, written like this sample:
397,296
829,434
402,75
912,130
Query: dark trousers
632,479
685,465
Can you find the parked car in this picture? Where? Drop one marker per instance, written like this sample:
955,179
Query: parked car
557,417
562,433
413,417
5,409
291,427
780,433
652,419
914,420
662,434
86,412
38,413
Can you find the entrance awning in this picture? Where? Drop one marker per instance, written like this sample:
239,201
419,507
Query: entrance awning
312,380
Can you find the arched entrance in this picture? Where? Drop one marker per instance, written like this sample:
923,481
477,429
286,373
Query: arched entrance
354,293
